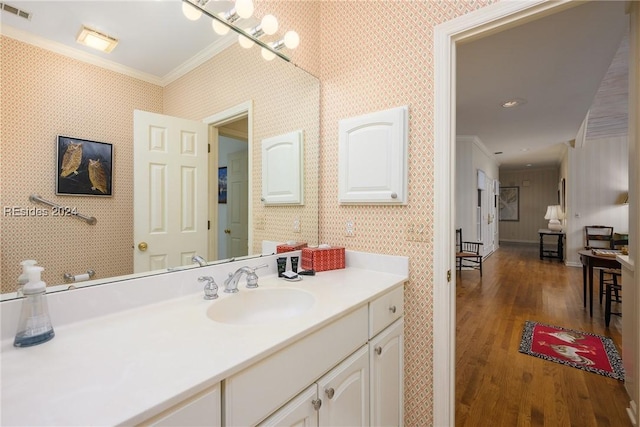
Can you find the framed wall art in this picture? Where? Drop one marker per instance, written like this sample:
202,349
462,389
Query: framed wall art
85,168
509,204
222,185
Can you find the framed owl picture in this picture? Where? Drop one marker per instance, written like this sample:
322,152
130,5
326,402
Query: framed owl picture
84,167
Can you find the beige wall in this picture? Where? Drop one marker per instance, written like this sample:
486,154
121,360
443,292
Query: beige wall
44,95
538,189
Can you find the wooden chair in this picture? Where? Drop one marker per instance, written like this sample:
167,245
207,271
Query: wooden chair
468,254
598,236
613,294
613,276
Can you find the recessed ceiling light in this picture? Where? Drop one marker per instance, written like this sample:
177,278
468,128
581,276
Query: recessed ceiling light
515,102
524,149
96,39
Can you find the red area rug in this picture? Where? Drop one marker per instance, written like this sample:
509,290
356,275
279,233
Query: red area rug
582,350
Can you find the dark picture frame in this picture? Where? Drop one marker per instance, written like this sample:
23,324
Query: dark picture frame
84,167
509,209
222,185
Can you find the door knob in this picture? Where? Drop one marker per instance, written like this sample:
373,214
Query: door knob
142,246
227,231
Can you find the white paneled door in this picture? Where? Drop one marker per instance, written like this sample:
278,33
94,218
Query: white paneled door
237,204
170,191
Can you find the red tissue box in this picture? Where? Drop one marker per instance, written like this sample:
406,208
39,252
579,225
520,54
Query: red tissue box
288,248
322,259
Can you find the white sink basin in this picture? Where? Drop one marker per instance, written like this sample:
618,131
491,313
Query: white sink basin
257,306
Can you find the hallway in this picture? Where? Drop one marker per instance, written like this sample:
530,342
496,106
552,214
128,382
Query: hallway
498,386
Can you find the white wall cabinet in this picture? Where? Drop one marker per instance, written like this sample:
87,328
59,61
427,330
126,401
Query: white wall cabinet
373,157
282,169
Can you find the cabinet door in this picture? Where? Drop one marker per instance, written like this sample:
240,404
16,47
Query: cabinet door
282,177
344,392
299,412
387,378
373,157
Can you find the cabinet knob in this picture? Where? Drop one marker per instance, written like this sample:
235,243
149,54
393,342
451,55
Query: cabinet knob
330,392
378,350
394,195
392,309
317,403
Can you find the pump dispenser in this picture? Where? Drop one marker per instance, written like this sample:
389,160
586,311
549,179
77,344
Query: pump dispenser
24,277
34,326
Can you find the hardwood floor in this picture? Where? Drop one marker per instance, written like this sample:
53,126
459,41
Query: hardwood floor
498,386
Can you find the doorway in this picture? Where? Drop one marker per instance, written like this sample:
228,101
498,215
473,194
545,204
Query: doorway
230,206
473,25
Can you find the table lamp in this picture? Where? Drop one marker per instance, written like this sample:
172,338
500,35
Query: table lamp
554,215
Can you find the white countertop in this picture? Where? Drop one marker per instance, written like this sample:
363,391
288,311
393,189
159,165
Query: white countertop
125,367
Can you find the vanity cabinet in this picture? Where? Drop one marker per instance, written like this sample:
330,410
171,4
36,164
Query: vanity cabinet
364,389
341,397
202,409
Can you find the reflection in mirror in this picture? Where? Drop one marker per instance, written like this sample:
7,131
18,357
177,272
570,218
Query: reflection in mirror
240,98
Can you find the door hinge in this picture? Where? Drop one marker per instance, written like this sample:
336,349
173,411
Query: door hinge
208,148
448,275
208,225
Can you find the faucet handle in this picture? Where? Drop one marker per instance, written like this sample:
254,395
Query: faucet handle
252,277
210,287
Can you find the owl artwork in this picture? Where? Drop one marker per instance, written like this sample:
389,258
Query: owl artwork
97,176
71,159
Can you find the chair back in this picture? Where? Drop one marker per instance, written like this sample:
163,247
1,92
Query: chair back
598,236
458,239
619,240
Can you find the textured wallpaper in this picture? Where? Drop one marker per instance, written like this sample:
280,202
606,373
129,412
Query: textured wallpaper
45,94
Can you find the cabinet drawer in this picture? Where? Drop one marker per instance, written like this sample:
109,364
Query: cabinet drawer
253,394
199,410
385,309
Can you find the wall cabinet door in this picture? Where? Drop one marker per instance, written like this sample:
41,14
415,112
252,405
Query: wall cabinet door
282,169
386,376
344,392
373,157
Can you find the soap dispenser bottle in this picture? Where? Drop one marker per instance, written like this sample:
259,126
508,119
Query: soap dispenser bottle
23,279
34,326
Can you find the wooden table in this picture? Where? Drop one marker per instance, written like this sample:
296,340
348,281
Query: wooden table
589,262
559,252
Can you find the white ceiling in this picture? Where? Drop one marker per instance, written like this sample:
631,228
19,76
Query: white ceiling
556,64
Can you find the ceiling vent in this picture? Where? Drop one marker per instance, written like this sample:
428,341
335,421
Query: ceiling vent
14,10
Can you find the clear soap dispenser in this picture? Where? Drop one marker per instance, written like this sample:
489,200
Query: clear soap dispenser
34,326
23,279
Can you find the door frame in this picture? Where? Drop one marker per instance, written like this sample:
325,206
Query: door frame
482,22
219,119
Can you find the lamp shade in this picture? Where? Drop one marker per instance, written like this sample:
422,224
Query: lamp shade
554,215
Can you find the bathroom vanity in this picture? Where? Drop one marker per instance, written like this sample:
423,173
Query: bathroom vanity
327,349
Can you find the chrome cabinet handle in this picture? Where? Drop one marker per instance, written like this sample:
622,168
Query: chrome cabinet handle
378,350
330,392
392,309
317,403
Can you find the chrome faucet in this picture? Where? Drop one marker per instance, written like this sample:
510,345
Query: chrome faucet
231,282
201,261
210,287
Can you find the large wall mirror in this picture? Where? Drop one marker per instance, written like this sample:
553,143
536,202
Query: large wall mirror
52,86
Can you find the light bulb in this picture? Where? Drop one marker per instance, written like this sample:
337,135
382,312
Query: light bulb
219,27
244,8
291,39
267,54
245,42
269,24
190,11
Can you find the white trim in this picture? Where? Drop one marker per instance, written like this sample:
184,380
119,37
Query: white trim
481,22
79,55
229,115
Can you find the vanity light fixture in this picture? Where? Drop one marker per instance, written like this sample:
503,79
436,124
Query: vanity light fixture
96,39
222,22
